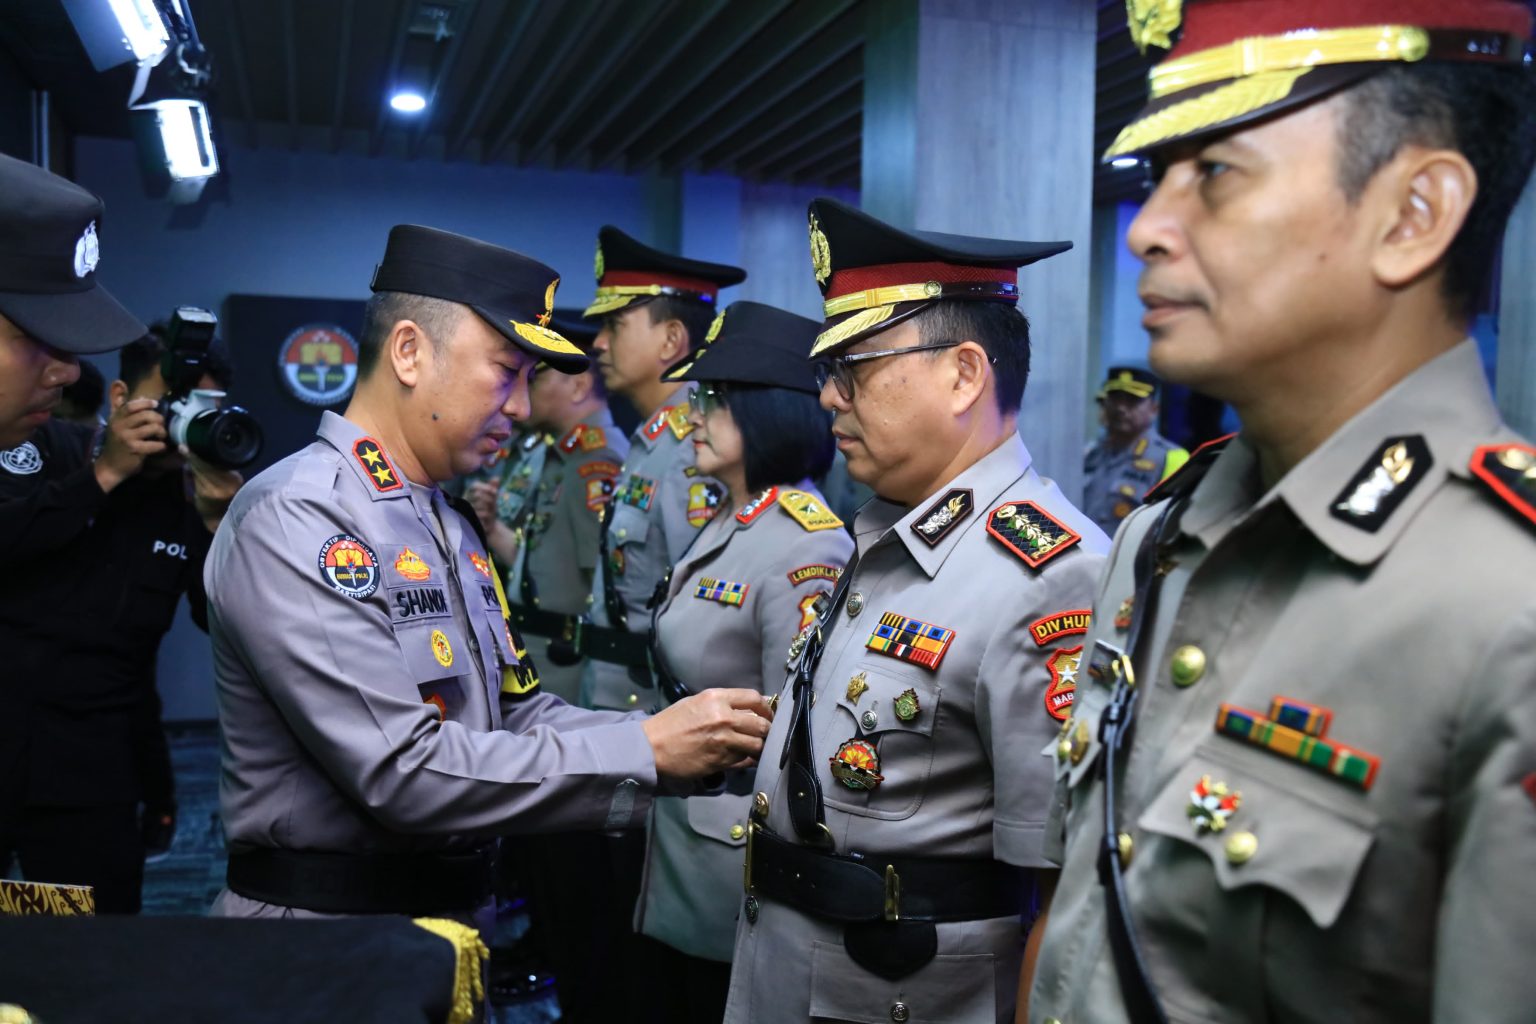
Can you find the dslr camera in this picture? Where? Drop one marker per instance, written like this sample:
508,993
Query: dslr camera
224,435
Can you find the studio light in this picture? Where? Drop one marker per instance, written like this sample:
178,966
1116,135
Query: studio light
119,31
408,102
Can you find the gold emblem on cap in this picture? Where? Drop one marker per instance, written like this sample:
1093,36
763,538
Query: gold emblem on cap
544,339
1153,22
821,252
861,321
549,303
714,328
597,262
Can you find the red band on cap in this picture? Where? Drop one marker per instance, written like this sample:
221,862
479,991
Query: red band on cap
1218,22
642,278
887,275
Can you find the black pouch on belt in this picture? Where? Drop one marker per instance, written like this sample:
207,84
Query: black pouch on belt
891,949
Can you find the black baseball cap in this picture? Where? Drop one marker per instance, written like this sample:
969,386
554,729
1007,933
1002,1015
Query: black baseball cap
750,343
513,293
50,244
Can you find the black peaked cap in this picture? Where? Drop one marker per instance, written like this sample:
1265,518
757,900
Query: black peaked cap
750,343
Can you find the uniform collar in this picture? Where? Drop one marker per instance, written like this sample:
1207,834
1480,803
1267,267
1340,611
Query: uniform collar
987,479
601,419
381,482
1445,402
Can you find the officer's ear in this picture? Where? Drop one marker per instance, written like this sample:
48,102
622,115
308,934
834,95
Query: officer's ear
674,342
971,370
1424,196
117,394
404,351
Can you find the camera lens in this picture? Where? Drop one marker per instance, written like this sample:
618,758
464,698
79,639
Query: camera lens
228,437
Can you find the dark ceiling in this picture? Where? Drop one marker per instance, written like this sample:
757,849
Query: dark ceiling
765,89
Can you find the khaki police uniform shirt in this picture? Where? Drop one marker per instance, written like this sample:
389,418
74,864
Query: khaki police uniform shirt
557,559
359,649
1116,479
659,504
1319,899
962,777
735,601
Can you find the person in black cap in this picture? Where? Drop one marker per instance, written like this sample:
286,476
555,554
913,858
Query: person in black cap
744,587
382,722
894,835
1130,457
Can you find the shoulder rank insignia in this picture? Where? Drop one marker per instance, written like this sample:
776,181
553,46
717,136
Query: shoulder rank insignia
754,508
1062,692
807,573
637,491
1188,475
944,515
703,502
588,439
1059,624
1030,532
677,420
1375,492
808,510
912,640
370,455
857,765
1304,740
657,423
723,591
1509,470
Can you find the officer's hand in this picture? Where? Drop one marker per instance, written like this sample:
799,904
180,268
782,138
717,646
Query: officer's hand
481,496
212,489
135,432
708,732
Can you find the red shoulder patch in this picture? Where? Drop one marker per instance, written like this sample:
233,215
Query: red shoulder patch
1509,471
1030,532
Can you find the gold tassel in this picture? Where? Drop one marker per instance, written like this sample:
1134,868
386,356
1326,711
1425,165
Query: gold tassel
468,986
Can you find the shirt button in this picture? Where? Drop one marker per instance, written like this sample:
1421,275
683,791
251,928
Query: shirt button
855,603
621,533
1241,846
1187,665
900,1012
632,699
737,831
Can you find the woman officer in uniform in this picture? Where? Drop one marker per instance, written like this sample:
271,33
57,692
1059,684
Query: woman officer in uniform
732,605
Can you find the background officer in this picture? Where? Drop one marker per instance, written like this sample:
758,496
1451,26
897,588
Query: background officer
381,722
900,796
1130,457
1333,629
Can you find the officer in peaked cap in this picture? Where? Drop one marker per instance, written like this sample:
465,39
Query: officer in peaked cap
382,721
52,309
895,831
1299,782
1130,457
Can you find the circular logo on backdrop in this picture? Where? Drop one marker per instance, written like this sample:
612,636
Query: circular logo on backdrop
23,460
318,363
349,565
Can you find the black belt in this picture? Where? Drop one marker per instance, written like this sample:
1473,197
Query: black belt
617,646
381,883
552,625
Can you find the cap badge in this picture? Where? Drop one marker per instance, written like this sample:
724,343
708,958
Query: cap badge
87,251
821,252
549,303
1153,22
1211,804
714,328
597,263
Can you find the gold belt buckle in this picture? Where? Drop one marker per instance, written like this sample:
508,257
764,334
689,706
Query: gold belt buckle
892,894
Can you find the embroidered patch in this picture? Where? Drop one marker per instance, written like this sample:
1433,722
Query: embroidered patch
1062,691
410,565
599,467
1509,471
1211,805
808,510
907,706
349,566
806,573
944,515
23,460
754,508
1030,532
724,591
857,765
1352,766
1053,627
703,502
370,455
911,640
677,421
1380,486
416,602
656,424
637,491
481,563
857,685
588,439
599,490
520,680
441,650
808,610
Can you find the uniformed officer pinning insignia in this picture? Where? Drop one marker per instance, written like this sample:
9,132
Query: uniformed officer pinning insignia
349,566
907,706
410,565
1509,471
441,649
857,765
1380,486
808,511
23,460
703,502
1062,692
481,563
723,591
1123,613
677,421
1211,805
1030,532
754,508
599,490
856,687
1312,719
656,424
913,640
944,515
1050,628
370,455
637,491
1328,756
821,252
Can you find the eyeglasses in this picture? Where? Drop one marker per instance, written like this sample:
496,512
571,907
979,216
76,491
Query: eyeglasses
839,369
708,397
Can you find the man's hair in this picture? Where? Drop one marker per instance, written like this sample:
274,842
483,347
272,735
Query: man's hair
693,314
786,435
439,318
138,359
1488,114
999,328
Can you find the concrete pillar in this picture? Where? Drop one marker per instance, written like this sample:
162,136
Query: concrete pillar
1515,377
978,119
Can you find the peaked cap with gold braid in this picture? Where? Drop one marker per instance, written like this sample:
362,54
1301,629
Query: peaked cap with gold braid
629,271
874,276
1239,61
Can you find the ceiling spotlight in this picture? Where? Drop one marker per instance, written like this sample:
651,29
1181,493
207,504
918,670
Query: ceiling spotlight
408,102
1121,163
119,31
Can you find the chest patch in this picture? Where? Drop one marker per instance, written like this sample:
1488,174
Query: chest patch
23,460
410,565
637,491
703,502
906,639
349,566
419,602
1030,532
723,591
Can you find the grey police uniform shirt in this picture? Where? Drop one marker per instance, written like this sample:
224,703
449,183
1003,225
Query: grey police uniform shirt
559,550
963,777
517,475
659,504
1414,625
1115,480
359,650
736,600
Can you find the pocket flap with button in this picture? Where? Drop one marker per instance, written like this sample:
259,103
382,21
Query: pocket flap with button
1301,844
949,989
881,702
722,817
629,525
434,650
